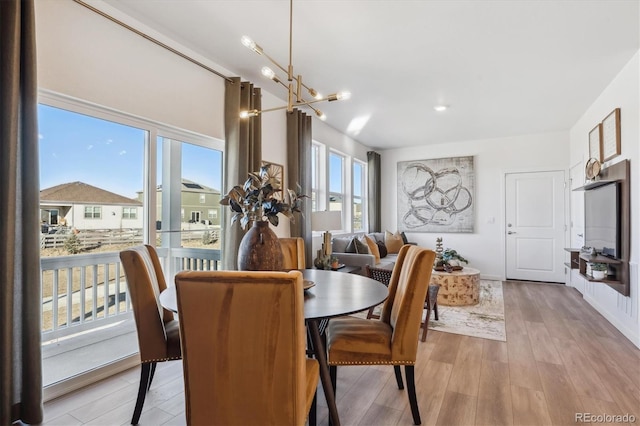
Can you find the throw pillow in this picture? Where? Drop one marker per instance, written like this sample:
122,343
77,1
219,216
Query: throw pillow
404,238
373,248
351,247
393,242
382,249
361,246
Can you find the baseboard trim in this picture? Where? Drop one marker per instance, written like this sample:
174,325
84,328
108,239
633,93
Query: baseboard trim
633,337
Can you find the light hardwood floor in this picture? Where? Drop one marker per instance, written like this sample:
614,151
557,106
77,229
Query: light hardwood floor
561,357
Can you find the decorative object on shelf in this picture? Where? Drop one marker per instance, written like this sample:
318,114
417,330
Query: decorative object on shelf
436,195
252,203
592,168
447,259
595,142
325,221
611,135
599,270
294,85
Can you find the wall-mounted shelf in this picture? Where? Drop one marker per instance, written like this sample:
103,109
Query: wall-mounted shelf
618,277
594,184
617,269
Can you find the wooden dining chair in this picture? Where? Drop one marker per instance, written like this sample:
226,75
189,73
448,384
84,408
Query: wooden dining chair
243,344
390,340
157,329
293,256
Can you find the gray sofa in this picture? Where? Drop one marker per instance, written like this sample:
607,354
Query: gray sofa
339,246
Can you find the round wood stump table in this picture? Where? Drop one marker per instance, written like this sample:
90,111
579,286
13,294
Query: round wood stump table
457,288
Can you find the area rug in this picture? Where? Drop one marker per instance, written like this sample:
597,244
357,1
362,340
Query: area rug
484,320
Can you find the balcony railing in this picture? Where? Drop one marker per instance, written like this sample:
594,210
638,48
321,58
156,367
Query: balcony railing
85,291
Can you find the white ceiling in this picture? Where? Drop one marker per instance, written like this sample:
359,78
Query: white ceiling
506,68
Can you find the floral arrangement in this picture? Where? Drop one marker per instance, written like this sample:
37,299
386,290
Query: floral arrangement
258,199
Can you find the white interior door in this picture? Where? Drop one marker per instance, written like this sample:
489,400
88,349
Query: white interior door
535,226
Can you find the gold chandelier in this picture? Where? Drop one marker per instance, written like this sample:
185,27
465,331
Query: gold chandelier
294,83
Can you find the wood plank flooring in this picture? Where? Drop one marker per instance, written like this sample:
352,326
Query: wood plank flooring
561,358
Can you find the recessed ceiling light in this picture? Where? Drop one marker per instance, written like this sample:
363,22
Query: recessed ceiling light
440,108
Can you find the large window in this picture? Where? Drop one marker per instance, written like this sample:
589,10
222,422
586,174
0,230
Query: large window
315,178
358,198
336,182
339,184
106,187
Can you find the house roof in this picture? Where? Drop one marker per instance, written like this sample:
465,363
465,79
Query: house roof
191,186
80,192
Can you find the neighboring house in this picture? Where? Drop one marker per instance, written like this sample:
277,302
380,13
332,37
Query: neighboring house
82,206
198,203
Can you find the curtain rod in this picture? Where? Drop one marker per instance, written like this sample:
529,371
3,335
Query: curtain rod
151,39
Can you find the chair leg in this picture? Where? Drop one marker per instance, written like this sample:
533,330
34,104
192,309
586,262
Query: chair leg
396,369
435,310
313,416
145,374
411,391
370,313
425,327
153,372
333,373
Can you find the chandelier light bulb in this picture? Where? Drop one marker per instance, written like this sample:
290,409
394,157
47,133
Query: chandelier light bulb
247,42
321,115
268,72
250,113
440,108
315,94
343,96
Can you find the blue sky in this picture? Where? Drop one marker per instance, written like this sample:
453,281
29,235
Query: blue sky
75,147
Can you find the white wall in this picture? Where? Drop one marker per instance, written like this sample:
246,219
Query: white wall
624,93
484,248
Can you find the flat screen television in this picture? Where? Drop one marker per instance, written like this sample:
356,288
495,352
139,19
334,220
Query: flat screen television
602,219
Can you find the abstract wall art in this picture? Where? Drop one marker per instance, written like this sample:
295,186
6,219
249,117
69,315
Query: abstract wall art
436,195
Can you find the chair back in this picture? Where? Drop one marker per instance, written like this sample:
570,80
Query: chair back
407,293
243,344
293,253
145,280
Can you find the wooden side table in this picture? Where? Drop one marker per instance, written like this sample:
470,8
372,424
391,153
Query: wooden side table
457,288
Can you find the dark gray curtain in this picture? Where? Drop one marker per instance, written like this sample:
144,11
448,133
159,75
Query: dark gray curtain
373,191
299,170
242,154
20,303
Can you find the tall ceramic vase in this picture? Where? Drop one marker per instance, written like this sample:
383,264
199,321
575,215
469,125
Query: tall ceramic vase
260,249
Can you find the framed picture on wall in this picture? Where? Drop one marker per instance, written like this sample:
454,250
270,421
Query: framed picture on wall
276,171
595,143
611,135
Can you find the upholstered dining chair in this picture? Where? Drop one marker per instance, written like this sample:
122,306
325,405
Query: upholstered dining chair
430,304
158,330
243,345
390,340
293,256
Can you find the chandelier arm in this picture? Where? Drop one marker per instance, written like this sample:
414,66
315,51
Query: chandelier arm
290,72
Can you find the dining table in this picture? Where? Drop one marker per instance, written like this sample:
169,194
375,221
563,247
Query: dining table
330,294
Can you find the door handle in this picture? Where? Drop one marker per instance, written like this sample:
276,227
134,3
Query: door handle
580,235
511,232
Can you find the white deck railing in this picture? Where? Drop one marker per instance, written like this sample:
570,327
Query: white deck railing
85,291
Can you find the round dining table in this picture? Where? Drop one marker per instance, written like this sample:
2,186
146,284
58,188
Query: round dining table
332,294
